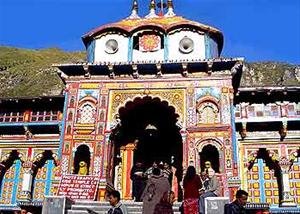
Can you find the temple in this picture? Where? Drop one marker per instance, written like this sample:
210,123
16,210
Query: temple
153,88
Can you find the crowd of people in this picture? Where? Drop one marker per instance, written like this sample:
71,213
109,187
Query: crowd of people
153,187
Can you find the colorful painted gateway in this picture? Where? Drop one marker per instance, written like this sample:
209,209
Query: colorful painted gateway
153,89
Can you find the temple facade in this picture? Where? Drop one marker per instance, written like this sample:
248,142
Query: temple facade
154,88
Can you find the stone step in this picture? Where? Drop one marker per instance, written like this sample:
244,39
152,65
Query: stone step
103,212
105,203
106,207
101,207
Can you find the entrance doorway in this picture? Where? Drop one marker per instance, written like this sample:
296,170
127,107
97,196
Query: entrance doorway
210,153
149,124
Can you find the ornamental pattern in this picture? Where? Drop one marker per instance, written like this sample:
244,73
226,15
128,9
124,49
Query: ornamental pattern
175,98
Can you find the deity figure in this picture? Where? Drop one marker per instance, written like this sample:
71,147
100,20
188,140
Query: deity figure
83,168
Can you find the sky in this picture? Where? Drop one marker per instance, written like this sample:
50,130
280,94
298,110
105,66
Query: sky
259,30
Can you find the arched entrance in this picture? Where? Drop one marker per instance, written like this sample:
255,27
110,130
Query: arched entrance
210,153
82,154
148,124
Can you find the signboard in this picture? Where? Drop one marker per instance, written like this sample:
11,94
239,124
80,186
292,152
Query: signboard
78,187
215,205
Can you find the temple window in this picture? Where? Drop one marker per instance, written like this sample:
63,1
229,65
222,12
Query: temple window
86,114
208,113
251,111
291,109
275,110
259,108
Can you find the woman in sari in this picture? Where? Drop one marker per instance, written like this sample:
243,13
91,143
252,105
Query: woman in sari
191,186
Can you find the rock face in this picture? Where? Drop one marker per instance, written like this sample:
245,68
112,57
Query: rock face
28,73
270,74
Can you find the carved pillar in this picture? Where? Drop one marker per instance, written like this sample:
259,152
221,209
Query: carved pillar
287,200
28,168
127,153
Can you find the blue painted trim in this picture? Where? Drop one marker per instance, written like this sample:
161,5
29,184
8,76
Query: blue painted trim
233,134
166,48
260,163
62,132
91,52
207,47
130,49
30,124
50,166
16,182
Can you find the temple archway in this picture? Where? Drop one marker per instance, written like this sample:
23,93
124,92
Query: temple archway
264,171
82,154
150,125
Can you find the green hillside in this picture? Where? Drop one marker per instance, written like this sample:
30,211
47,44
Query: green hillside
28,73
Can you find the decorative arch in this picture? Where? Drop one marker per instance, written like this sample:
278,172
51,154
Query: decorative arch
294,172
208,110
264,176
215,148
9,177
42,176
174,99
209,141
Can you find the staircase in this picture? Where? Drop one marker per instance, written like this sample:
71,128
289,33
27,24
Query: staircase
80,207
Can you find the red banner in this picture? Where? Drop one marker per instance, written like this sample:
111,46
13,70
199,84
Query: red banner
78,187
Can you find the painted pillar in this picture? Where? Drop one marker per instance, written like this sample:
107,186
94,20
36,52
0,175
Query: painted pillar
287,200
127,153
28,167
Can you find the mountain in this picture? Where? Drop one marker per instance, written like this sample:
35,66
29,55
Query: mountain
28,73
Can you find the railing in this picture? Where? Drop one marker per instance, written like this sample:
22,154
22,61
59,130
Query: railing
30,116
11,117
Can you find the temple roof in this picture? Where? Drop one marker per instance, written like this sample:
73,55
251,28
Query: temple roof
166,24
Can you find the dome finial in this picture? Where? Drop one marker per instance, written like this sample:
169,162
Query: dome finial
170,12
134,11
152,7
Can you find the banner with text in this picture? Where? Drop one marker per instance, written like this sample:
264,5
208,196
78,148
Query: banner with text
78,187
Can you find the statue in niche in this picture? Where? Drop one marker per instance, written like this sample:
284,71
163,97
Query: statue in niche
83,168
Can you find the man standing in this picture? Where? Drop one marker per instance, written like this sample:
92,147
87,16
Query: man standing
212,186
138,180
117,207
237,206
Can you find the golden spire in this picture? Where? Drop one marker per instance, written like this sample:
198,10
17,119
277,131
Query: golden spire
134,11
170,12
152,8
